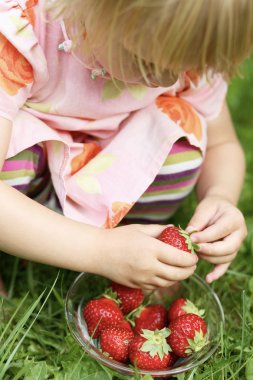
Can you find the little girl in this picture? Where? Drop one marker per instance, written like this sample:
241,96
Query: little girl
120,107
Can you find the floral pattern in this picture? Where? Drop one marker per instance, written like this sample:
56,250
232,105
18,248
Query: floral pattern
182,113
90,150
15,71
119,210
28,12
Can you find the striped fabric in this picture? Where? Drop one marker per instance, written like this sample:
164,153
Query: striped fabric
28,173
173,183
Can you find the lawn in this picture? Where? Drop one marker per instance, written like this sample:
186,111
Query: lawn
35,343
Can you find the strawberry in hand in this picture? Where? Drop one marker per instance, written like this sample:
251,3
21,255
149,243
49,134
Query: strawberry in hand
188,335
150,350
115,342
183,306
178,238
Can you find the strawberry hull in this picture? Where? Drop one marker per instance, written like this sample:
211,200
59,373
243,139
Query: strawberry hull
143,360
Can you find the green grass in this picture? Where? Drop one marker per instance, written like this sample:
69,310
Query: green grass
35,343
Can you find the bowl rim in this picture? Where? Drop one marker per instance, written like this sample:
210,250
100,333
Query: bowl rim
115,365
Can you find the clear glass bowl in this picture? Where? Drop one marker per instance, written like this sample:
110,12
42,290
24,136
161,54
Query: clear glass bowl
87,286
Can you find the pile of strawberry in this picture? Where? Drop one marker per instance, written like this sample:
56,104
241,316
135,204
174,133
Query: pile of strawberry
148,336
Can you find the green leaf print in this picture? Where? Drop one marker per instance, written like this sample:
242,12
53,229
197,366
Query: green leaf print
138,91
84,178
113,89
89,184
20,25
42,107
98,164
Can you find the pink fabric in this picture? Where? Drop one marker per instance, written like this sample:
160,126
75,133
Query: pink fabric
104,148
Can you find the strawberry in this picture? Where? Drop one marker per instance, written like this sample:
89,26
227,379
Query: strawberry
124,325
188,334
150,350
183,306
115,341
130,298
100,313
151,317
178,238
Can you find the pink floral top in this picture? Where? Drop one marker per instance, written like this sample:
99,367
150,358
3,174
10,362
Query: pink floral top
105,144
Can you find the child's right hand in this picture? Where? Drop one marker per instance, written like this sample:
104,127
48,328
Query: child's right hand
131,255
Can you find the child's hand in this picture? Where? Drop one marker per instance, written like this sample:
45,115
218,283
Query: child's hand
133,257
221,229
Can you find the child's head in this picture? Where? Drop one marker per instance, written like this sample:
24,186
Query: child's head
155,40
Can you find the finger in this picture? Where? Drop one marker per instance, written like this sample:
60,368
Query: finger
159,282
218,259
198,221
224,247
217,231
170,273
172,256
153,230
217,272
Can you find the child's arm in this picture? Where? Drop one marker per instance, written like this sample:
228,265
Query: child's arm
129,255
221,224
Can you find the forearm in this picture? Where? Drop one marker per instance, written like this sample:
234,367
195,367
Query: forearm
31,231
223,172
224,166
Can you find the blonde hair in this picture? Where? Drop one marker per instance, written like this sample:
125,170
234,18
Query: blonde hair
172,35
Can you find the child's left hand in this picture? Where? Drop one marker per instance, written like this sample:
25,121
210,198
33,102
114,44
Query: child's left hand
222,230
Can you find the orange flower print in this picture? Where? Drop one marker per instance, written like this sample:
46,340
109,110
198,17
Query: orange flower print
182,113
90,150
119,209
28,12
15,71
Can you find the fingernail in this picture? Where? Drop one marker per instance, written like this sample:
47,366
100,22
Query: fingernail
194,239
209,279
190,229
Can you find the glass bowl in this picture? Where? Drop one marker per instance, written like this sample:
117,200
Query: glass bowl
87,286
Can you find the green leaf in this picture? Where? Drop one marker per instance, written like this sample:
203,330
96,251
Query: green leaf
38,372
249,369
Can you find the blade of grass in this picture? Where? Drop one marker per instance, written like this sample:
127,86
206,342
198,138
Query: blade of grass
5,367
13,277
11,319
243,325
15,333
